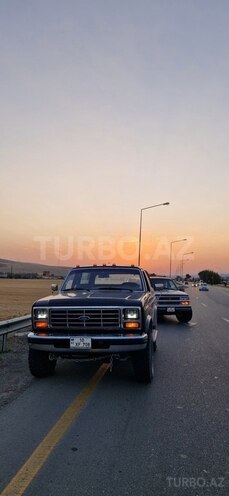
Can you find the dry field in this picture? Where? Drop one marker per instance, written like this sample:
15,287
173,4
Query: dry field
17,295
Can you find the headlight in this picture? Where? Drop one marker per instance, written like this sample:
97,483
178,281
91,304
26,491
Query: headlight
131,313
41,313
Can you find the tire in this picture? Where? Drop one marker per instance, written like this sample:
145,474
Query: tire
39,363
184,317
143,363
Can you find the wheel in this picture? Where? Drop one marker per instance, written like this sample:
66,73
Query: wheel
184,317
143,363
39,363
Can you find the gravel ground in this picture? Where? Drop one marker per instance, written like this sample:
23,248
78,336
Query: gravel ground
14,370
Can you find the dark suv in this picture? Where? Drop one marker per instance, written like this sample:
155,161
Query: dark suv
100,312
170,299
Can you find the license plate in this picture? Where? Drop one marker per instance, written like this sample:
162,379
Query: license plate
80,343
170,309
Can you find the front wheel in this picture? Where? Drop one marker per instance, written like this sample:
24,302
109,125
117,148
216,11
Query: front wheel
39,363
184,317
143,364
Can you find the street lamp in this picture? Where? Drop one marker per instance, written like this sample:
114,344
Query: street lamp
182,265
170,257
182,261
140,229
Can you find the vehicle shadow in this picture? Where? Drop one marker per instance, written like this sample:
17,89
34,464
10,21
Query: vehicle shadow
171,322
70,372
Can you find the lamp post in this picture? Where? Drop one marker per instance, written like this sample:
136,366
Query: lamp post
182,261
140,228
170,257
182,266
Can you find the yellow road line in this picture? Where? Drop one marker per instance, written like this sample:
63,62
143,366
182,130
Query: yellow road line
29,470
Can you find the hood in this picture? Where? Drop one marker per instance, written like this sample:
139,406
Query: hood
92,298
175,292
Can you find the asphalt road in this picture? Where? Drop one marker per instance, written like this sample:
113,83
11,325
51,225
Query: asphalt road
170,437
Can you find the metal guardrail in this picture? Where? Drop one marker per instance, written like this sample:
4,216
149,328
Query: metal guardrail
13,325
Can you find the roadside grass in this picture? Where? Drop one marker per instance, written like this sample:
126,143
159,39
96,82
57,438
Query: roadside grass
17,295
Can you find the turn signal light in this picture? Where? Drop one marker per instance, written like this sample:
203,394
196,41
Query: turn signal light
41,325
131,325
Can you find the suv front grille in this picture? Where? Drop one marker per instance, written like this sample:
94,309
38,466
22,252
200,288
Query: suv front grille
168,299
85,318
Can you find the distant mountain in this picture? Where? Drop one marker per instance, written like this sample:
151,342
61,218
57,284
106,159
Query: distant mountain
14,267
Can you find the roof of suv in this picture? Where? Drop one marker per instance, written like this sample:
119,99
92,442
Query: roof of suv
106,266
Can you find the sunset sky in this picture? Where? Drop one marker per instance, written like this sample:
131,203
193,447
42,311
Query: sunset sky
107,107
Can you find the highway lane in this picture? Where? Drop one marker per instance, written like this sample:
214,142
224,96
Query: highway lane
132,439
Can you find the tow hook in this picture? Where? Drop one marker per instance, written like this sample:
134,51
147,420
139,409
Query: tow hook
52,357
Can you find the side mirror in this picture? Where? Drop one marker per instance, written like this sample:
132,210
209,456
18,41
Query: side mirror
180,287
54,287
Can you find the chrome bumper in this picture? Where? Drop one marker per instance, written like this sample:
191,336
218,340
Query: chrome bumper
99,344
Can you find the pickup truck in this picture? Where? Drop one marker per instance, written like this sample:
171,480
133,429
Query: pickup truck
100,312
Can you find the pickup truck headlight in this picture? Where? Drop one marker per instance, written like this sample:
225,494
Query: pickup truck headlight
41,313
40,318
131,313
131,317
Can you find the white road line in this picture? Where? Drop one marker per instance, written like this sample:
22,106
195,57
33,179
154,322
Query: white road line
204,304
226,320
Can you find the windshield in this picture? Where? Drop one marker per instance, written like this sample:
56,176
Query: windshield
167,283
103,278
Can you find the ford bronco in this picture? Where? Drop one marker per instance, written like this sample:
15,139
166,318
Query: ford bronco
100,312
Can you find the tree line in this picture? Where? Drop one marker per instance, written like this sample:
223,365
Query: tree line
210,277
